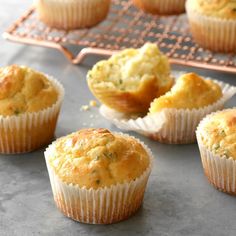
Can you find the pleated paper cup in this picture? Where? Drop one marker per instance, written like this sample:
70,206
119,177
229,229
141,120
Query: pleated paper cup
212,33
220,170
72,14
172,126
163,7
103,205
30,131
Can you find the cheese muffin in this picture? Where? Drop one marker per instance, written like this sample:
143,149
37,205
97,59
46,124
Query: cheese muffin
131,79
96,166
190,92
182,108
29,106
72,14
163,7
216,135
213,23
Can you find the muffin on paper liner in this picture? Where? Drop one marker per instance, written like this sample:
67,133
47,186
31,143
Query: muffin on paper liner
105,205
211,32
164,7
29,131
72,14
219,170
172,126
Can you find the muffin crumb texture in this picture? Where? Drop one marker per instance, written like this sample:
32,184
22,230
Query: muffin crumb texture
126,69
24,90
131,79
190,91
95,158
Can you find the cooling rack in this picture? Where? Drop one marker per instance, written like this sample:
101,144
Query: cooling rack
124,27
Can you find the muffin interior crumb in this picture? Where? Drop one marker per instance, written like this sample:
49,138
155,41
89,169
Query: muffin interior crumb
125,70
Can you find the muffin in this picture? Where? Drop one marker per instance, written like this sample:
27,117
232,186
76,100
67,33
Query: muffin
29,107
189,100
216,136
131,79
98,177
213,24
163,7
72,14
174,116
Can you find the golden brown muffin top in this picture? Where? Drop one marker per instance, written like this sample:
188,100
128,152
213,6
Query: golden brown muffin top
218,133
24,90
128,69
95,158
217,8
190,91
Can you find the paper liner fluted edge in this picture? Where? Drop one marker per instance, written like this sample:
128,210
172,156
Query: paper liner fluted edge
72,14
21,133
211,32
161,6
103,205
219,170
173,126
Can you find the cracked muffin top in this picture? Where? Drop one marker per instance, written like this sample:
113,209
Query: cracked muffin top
216,8
94,158
24,90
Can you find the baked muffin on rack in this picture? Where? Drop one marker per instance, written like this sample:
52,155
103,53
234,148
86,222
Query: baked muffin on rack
216,135
162,7
108,170
131,79
29,107
72,14
213,24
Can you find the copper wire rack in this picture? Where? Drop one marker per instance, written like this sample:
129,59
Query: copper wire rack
124,27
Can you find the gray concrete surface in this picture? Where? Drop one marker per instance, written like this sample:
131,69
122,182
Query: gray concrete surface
179,201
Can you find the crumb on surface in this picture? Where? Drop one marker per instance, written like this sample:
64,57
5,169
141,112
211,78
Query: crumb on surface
92,103
84,108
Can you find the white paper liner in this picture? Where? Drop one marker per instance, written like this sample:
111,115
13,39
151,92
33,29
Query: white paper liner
220,170
72,14
161,6
29,131
104,205
211,32
174,126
